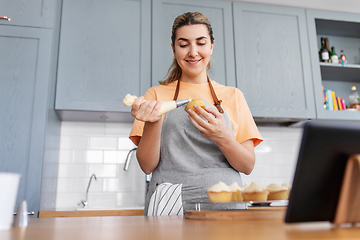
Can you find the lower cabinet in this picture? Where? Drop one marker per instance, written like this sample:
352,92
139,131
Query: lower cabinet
24,88
273,67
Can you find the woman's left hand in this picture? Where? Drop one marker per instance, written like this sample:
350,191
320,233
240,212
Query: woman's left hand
214,127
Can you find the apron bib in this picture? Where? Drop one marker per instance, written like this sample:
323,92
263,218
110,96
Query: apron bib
188,158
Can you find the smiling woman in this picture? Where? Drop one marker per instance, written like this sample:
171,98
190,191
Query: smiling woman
186,152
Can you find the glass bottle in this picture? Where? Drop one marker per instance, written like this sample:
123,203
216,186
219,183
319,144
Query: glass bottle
354,99
334,58
324,53
327,47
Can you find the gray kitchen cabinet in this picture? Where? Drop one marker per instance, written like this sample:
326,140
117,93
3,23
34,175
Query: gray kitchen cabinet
25,65
220,15
343,32
32,13
273,67
104,54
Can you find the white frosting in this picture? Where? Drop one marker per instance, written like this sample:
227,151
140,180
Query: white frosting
254,187
288,186
129,100
275,187
244,186
234,187
219,187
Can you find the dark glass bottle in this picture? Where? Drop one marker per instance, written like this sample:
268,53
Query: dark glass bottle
324,52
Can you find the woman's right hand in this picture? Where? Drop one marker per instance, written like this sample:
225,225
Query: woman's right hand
146,111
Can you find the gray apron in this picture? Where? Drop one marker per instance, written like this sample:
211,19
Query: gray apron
189,158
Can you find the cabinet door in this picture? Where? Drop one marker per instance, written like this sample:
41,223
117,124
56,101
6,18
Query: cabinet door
272,61
219,14
24,83
104,54
34,13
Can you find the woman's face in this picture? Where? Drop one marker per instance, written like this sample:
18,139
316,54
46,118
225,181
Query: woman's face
193,49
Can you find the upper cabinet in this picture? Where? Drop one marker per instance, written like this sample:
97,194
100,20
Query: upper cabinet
273,67
219,14
343,33
32,13
104,54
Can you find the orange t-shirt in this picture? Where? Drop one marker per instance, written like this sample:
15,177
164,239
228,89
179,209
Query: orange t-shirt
233,103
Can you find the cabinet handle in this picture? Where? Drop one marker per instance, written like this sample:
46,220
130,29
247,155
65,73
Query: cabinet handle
5,18
29,213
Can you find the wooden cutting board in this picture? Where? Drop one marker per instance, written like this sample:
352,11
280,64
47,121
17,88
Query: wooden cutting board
239,214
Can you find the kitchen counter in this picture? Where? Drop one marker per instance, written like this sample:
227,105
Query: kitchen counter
173,227
91,213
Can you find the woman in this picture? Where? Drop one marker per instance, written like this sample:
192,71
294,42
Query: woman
184,148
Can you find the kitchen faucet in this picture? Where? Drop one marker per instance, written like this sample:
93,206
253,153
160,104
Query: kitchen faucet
127,160
84,203
126,167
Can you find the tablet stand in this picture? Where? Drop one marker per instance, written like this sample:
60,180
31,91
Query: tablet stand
348,208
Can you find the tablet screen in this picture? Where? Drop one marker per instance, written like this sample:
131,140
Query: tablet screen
323,154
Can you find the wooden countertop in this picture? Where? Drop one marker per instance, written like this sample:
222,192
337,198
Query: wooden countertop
91,213
173,227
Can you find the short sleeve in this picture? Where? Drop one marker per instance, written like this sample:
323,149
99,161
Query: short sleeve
247,128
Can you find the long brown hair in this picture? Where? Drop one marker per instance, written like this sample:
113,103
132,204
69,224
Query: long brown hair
189,18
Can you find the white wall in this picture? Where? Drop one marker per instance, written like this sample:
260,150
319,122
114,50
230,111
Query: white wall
101,148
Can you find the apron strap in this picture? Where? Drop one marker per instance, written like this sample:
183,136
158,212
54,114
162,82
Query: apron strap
217,102
177,90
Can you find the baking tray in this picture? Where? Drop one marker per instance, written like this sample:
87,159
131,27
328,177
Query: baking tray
204,205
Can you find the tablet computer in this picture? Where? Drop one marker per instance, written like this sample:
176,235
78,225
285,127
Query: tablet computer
323,154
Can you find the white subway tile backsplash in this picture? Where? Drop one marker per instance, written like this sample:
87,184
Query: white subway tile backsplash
68,129
74,142
66,156
131,199
69,200
89,156
124,184
90,129
269,133
101,149
103,143
125,143
103,170
291,133
115,156
65,184
117,129
102,199
81,184
73,170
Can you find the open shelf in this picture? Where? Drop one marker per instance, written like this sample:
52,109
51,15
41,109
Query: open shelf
337,72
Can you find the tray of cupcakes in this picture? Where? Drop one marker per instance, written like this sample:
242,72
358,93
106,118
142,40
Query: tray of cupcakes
248,202
222,196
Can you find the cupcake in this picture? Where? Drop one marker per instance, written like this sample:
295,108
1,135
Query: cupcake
255,192
288,186
236,192
277,192
194,102
219,192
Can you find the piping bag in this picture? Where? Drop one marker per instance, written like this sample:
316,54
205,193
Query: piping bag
166,106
